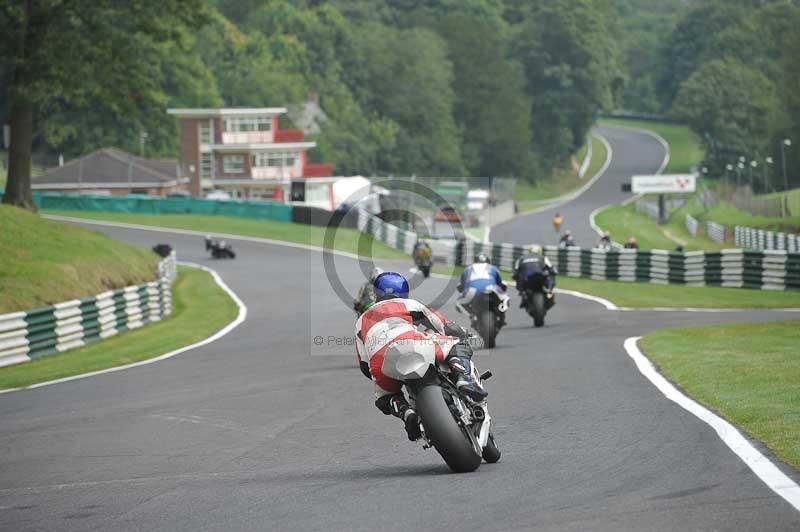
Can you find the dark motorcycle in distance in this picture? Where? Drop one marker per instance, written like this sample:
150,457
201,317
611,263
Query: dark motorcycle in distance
538,298
219,249
487,313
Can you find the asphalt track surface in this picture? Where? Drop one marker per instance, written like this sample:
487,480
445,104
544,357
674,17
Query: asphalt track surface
633,153
264,430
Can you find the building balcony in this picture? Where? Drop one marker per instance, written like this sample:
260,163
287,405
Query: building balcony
318,170
247,137
275,172
289,135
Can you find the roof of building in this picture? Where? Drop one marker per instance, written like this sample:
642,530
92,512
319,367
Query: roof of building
226,111
110,168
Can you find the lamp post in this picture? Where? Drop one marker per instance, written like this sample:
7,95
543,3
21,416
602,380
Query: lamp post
785,142
142,140
739,168
768,172
753,165
728,170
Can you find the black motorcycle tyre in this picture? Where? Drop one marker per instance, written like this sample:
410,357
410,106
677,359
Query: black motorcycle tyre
538,310
491,453
487,327
444,432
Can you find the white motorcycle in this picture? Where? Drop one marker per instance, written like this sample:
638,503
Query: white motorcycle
458,428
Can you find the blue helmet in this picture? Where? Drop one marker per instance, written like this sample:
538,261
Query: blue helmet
390,284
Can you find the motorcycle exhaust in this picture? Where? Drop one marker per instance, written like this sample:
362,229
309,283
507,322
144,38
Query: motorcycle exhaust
478,414
503,306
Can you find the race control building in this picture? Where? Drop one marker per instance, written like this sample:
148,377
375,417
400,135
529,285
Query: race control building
243,151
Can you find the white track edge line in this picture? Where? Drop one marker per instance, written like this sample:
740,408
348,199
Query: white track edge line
558,202
241,316
763,467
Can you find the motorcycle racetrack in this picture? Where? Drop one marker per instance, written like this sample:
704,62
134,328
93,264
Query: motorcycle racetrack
272,427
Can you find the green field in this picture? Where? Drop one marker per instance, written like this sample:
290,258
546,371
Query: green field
622,221
646,295
530,196
685,147
748,373
727,214
45,262
200,308
350,240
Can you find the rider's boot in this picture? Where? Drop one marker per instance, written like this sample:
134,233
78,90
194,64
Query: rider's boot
400,408
461,366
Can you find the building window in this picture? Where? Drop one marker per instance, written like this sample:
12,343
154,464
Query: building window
206,165
256,123
233,164
206,132
275,160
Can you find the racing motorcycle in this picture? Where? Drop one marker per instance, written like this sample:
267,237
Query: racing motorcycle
423,259
487,313
538,299
219,249
458,428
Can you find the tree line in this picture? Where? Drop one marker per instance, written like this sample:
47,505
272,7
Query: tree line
425,87
728,68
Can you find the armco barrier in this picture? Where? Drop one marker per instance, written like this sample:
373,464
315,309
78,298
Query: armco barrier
389,234
749,237
157,205
692,225
769,270
32,334
716,232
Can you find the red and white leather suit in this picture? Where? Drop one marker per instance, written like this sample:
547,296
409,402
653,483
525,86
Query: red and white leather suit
388,329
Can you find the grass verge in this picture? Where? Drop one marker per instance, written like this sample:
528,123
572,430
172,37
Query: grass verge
685,148
646,295
200,308
345,239
727,214
748,373
622,221
530,196
45,262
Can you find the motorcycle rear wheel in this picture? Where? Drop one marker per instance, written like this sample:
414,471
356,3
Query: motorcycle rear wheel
444,432
488,328
538,309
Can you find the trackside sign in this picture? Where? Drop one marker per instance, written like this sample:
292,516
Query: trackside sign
658,184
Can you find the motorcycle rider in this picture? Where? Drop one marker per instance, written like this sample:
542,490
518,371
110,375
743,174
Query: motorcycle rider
393,326
366,294
566,240
533,261
421,247
605,241
475,278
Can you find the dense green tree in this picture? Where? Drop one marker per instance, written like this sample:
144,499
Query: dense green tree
731,104
491,107
83,51
571,67
406,77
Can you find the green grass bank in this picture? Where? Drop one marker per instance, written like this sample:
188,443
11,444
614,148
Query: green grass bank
529,196
200,308
45,262
748,373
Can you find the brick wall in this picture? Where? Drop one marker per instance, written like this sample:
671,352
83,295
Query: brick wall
190,153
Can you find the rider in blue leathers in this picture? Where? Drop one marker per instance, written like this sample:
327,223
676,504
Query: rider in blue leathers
476,277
